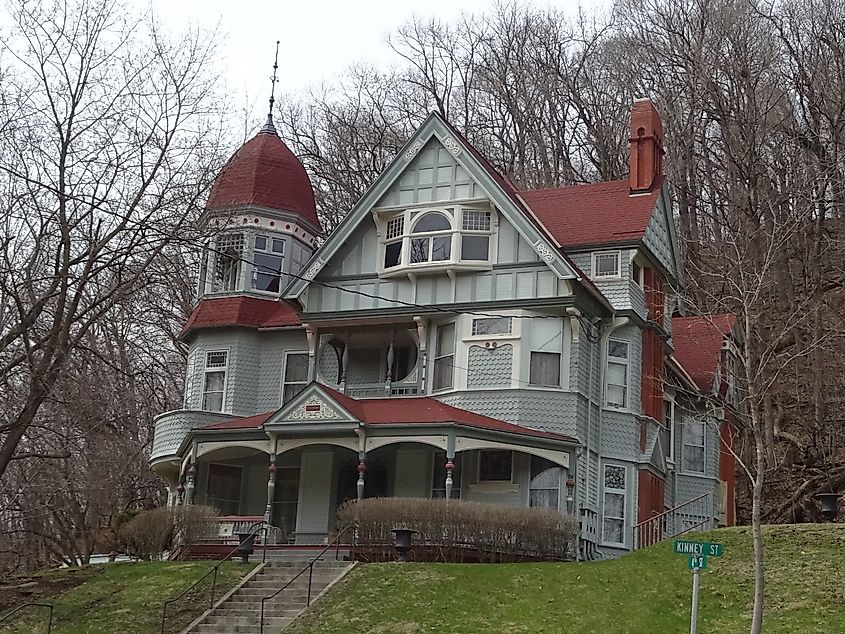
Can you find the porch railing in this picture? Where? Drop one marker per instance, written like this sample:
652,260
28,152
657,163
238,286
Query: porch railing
588,537
378,390
692,515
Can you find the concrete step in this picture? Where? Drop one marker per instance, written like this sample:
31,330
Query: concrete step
264,582
255,611
274,622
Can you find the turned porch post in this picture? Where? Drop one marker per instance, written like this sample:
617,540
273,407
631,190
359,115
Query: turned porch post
422,361
271,490
190,486
390,356
450,465
362,468
344,362
311,335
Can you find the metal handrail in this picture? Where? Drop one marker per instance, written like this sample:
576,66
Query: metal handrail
49,607
638,528
262,527
310,568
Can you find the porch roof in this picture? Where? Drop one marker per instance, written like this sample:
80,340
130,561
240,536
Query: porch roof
419,411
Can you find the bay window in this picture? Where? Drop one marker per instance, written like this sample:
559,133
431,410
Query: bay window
227,262
451,236
545,338
444,357
617,373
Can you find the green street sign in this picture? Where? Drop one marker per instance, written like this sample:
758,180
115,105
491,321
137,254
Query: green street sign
683,547
697,561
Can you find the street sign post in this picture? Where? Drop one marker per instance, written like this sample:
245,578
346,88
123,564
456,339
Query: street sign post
697,554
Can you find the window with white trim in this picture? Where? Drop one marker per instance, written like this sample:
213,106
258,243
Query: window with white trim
637,274
618,353
267,263
431,239
544,488
228,255
615,493
189,380
693,449
546,339
295,375
214,381
607,264
669,422
450,236
495,465
484,326
444,357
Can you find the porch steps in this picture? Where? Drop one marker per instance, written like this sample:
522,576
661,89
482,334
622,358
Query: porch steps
241,610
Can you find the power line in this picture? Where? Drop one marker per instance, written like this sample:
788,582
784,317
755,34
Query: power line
587,327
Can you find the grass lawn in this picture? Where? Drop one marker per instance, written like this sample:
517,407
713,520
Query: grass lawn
642,593
109,598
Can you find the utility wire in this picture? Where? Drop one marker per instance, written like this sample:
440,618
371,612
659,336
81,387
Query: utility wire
587,327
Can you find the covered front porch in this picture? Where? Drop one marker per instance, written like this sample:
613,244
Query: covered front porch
295,467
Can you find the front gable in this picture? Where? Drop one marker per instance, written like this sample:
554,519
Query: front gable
435,167
312,405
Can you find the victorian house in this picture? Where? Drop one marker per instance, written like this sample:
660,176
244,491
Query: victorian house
453,337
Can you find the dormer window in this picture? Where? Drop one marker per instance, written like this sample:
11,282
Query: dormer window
267,263
450,237
606,265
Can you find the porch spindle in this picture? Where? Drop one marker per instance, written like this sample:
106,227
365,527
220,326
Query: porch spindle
362,467
180,492
189,488
449,467
344,362
390,355
271,490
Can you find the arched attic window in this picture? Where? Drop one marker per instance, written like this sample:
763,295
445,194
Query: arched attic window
431,239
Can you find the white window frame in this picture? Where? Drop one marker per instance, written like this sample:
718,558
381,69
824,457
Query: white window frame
618,361
702,446
268,250
495,335
224,369
285,382
607,276
437,356
190,371
236,279
639,279
670,424
389,234
614,491
493,482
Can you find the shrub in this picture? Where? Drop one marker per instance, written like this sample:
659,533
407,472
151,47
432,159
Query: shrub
457,530
152,532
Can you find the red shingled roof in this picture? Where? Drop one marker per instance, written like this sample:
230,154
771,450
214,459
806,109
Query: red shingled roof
411,411
253,312
600,213
265,172
698,345
250,422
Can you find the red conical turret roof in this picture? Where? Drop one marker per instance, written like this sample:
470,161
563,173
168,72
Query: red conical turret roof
266,173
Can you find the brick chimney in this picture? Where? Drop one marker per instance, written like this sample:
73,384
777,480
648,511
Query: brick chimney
646,146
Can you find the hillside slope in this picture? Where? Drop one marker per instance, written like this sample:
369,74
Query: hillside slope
642,593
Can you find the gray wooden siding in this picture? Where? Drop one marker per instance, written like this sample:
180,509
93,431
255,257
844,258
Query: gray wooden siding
488,367
658,237
433,175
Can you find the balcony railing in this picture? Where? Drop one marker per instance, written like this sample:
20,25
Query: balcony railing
381,390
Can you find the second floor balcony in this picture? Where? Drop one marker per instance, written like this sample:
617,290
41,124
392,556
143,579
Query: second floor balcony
371,362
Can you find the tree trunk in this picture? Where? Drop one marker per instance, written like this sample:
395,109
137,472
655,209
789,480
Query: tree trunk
757,529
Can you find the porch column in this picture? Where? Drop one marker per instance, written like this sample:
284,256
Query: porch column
271,490
190,486
390,356
311,335
180,495
422,361
362,467
450,465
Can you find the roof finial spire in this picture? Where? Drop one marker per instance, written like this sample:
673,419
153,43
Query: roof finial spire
269,127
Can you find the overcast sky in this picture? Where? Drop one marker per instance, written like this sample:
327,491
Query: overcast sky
319,38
